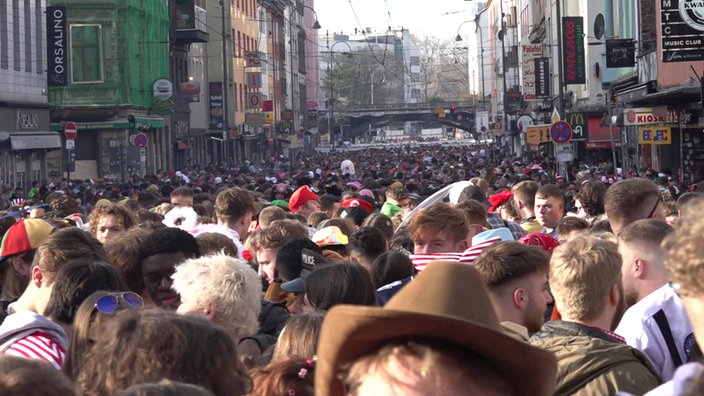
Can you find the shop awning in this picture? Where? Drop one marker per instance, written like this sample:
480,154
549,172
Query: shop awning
601,134
670,96
33,140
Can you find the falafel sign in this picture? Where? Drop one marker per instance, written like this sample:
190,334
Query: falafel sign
682,24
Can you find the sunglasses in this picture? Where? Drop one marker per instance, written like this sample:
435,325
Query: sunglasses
109,303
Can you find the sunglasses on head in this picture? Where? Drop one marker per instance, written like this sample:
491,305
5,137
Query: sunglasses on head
110,303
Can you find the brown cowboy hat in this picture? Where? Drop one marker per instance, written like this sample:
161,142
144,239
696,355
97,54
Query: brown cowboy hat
448,301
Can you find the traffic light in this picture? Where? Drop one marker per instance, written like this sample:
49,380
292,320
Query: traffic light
452,110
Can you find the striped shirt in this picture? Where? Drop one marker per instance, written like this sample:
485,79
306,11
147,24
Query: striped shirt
420,261
39,345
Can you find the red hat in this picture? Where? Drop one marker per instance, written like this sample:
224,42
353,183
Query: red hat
352,202
544,241
300,197
499,199
25,235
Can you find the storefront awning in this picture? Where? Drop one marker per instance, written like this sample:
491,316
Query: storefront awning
670,96
32,141
601,134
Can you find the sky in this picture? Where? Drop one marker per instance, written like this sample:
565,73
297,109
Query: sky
436,18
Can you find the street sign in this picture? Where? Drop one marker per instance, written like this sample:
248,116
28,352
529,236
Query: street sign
563,152
561,132
70,144
536,134
141,140
555,116
70,130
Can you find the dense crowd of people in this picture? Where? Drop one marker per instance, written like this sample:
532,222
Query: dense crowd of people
413,270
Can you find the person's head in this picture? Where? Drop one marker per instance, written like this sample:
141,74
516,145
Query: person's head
58,249
629,200
75,281
570,227
109,221
686,199
439,229
166,388
516,277
289,260
316,218
181,196
124,255
585,280
329,203
223,289
381,222
437,335
365,245
214,243
291,376
476,215
300,336
549,205
270,214
150,345
686,263
391,266
524,197
92,317
234,207
304,201
20,378
398,195
591,198
270,240
159,254
643,270
340,283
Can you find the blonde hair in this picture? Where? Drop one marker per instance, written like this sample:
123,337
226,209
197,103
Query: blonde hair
227,283
582,273
685,260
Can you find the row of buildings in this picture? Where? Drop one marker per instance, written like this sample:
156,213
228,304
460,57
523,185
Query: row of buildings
110,88
625,74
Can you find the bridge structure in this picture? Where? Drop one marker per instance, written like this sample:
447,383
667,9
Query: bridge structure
357,120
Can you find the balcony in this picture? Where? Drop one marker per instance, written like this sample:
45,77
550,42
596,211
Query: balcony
189,22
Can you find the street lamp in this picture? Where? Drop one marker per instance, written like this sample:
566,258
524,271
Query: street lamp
316,24
331,100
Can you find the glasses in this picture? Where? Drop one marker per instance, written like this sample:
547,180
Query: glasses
109,303
657,203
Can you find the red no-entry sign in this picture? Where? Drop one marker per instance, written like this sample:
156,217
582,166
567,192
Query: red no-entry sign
71,130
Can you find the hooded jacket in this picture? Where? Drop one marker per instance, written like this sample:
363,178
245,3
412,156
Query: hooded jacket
591,362
20,325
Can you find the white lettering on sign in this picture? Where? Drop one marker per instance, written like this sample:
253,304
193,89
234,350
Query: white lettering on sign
27,120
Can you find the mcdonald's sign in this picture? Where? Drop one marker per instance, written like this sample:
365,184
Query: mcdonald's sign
580,125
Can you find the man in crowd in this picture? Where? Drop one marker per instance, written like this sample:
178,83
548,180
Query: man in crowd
437,335
397,199
493,219
585,279
656,322
516,276
524,203
365,245
549,208
439,229
304,201
630,200
182,197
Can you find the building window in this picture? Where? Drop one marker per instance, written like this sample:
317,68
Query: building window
4,39
86,54
415,93
38,37
415,60
16,35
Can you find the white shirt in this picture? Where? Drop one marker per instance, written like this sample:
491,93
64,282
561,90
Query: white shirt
641,331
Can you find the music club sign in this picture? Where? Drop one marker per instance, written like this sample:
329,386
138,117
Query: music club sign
682,24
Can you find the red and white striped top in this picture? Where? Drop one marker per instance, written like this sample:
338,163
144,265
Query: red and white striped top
39,345
420,261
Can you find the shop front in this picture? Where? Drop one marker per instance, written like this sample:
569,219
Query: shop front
29,151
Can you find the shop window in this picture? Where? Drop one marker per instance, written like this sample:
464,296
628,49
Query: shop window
86,56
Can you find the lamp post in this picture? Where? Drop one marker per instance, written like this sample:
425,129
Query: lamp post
331,100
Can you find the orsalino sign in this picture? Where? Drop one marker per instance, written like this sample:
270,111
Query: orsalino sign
682,27
56,51
573,50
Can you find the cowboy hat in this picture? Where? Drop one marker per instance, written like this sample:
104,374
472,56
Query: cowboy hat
448,302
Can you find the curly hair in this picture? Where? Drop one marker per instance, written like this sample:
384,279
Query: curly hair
685,260
124,217
169,240
150,345
591,196
228,284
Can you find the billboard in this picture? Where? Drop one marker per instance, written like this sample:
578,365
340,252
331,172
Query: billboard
573,50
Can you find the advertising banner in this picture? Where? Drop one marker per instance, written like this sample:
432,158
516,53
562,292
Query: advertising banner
573,50
654,135
215,104
530,53
542,78
57,53
682,27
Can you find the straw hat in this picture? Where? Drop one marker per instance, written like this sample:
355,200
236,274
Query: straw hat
448,302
